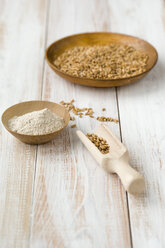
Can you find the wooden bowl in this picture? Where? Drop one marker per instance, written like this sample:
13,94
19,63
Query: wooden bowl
85,39
25,107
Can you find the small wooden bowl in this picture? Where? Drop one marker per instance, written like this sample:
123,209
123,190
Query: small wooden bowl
26,107
85,39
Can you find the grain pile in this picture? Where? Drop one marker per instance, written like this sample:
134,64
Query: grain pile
111,61
99,142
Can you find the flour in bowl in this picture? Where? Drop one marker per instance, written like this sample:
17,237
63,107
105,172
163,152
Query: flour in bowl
36,123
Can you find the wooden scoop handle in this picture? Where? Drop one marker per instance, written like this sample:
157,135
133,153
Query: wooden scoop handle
132,180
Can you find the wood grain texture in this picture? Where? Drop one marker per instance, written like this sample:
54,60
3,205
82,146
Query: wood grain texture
142,118
21,60
76,204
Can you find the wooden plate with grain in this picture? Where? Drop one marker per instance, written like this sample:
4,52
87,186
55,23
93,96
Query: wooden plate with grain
94,40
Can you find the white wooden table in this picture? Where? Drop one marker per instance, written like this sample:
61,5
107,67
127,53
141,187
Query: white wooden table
55,195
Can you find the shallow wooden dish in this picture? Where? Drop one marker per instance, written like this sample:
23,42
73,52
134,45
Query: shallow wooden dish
25,107
98,38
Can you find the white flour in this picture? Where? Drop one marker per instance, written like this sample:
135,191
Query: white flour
37,122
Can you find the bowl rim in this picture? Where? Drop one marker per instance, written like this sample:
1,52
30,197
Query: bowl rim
99,33
33,135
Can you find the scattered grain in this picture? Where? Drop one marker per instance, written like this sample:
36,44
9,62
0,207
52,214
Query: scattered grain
85,111
106,119
73,126
72,118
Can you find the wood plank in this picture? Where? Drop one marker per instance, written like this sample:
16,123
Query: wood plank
76,204
142,121
22,29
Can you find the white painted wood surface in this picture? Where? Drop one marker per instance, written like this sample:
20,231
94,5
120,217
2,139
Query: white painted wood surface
22,32
56,195
79,207
142,118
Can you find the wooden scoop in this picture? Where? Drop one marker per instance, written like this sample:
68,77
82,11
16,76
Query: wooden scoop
116,161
